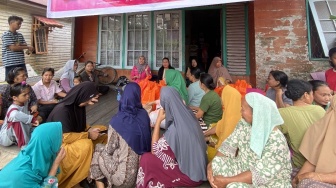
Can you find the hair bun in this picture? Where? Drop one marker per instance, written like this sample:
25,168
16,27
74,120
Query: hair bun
287,93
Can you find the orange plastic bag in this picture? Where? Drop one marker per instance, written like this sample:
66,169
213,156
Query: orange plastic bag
241,86
150,91
219,90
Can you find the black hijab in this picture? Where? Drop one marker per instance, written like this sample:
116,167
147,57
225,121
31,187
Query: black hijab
69,113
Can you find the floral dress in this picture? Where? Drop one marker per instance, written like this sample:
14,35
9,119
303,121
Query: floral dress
271,170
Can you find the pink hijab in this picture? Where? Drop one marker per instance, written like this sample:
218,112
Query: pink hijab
217,72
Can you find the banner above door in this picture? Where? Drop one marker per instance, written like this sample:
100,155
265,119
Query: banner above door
76,8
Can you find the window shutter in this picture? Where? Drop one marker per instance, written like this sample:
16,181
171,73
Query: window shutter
236,39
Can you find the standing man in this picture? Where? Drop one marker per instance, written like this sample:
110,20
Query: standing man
13,45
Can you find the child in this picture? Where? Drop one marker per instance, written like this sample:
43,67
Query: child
331,73
17,124
77,80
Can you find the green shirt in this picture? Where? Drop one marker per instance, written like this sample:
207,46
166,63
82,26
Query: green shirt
211,105
297,119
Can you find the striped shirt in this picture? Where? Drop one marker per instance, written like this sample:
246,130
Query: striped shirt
9,57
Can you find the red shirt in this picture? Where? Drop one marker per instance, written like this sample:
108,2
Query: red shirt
331,78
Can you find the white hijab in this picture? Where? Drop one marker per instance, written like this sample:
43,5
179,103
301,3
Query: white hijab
69,73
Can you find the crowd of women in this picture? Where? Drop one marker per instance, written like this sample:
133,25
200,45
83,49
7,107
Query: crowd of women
284,138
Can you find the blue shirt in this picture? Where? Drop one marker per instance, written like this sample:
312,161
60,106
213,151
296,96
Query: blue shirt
195,94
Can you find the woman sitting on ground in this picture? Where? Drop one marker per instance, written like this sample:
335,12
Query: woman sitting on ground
15,76
66,80
211,105
299,117
277,81
129,136
217,70
318,148
77,140
141,70
89,75
256,153
174,79
36,165
322,93
165,66
195,93
46,90
193,65
231,100
210,109
178,158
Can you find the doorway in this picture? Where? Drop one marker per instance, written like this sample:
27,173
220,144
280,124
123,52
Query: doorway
203,36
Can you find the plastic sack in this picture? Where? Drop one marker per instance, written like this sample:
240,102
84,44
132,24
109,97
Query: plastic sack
241,86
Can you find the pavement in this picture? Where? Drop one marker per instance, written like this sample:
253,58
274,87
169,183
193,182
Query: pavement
30,70
7,154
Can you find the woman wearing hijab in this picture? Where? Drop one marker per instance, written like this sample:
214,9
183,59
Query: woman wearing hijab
217,70
178,158
318,148
129,136
256,153
66,80
141,70
37,164
174,79
77,142
193,65
231,101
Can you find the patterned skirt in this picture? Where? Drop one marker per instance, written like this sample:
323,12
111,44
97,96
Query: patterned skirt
161,169
309,183
116,162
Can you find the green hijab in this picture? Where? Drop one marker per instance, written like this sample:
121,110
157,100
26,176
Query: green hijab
33,163
265,117
174,79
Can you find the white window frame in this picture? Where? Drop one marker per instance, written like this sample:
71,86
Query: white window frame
121,38
180,40
148,58
317,21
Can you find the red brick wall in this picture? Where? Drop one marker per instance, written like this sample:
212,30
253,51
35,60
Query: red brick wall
281,39
86,38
